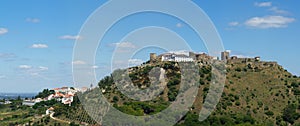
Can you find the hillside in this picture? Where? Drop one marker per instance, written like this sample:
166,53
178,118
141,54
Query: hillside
256,93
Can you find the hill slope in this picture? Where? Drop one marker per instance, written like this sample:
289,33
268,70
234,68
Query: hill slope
255,93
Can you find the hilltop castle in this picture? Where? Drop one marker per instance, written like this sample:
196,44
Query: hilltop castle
191,57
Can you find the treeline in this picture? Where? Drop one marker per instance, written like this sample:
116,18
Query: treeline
45,93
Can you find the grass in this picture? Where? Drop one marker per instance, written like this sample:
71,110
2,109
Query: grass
15,117
252,88
259,90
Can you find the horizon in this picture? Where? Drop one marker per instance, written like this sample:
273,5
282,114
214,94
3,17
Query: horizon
37,44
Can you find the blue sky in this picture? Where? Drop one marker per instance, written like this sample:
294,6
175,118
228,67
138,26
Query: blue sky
37,37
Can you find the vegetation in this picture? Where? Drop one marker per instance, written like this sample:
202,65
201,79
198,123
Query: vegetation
255,93
15,113
45,93
290,114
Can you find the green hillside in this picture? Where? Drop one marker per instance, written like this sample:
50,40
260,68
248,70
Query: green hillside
255,93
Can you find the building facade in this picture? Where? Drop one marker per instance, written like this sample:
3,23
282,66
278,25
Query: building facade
176,57
225,55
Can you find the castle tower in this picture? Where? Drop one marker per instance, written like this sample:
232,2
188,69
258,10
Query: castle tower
153,57
224,55
192,55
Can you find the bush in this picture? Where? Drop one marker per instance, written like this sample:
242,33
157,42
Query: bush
296,91
238,69
260,104
237,103
201,82
205,70
173,82
269,113
294,84
290,114
172,96
205,89
45,93
115,99
73,124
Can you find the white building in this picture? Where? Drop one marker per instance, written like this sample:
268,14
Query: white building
176,57
38,100
28,102
63,89
6,102
67,99
50,97
49,110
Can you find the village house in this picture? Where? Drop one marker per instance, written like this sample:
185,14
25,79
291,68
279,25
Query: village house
67,99
176,57
49,111
6,102
65,95
28,102
199,57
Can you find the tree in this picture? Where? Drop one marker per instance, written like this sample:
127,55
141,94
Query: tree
19,98
45,93
73,124
238,69
269,113
115,99
296,91
290,114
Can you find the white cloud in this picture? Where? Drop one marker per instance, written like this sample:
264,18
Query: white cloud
179,52
39,46
78,62
234,23
278,11
95,67
70,37
269,22
228,51
33,20
179,25
42,68
34,71
3,31
243,56
263,4
7,55
2,76
134,62
124,45
25,67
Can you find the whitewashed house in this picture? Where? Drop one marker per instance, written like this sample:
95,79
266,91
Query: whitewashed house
49,111
176,57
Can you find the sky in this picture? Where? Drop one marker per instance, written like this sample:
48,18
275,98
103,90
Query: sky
37,37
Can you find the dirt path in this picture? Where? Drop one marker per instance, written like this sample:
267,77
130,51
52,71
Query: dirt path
63,121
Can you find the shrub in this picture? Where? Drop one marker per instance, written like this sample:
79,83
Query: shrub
115,99
237,103
260,104
296,91
290,114
269,113
238,69
205,89
294,84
